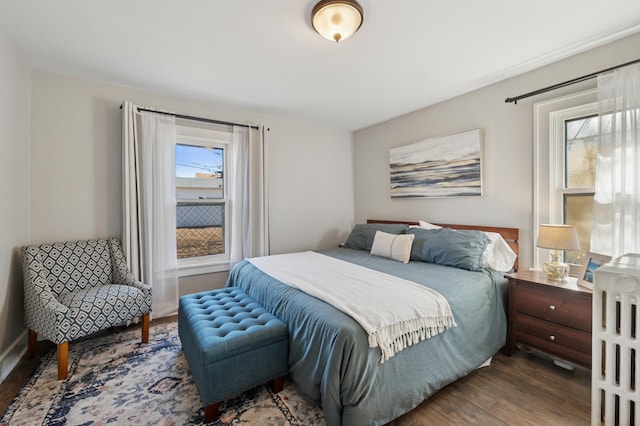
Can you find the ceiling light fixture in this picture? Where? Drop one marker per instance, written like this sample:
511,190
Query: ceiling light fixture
337,20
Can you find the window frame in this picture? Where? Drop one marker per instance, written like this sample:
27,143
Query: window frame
213,138
549,160
559,180
558,158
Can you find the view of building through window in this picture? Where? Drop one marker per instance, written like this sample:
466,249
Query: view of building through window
200,208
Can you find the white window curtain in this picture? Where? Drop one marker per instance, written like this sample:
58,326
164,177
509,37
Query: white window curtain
616,226
149,204
247,192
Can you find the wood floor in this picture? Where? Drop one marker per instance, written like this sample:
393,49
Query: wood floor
525,389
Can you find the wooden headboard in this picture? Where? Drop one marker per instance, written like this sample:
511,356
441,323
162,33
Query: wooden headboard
510,235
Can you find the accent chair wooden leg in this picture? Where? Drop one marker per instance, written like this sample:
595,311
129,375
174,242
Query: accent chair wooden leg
211,412
145,328
278,384
31,345
63,360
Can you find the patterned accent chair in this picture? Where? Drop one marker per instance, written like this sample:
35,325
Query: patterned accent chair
74,289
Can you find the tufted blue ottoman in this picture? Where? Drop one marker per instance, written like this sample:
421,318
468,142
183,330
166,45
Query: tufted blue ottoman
232,344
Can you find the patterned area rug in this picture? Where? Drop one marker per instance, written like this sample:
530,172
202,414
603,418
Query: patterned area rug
117,380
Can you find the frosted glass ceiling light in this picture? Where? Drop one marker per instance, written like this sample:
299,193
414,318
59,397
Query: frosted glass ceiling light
336,20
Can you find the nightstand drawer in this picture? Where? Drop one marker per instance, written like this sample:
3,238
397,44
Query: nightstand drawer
568,308
549,316
554,338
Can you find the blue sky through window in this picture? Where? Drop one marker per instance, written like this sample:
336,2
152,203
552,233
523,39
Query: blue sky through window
198,159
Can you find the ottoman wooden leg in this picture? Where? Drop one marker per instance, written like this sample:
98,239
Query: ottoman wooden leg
211,412
278,384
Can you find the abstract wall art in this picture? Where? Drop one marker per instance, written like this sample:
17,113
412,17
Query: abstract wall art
446,166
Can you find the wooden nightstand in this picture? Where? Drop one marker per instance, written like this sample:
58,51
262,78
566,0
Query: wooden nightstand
554,318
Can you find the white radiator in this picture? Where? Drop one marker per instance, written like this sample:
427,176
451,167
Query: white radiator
615,399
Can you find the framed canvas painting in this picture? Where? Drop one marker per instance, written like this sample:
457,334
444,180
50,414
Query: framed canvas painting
446,166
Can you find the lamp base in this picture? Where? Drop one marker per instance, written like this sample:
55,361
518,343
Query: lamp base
554,269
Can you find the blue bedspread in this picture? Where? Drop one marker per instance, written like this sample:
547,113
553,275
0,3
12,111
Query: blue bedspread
330,359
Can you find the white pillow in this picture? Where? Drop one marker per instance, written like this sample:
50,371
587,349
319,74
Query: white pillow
424,225
498,255
392,246
427,225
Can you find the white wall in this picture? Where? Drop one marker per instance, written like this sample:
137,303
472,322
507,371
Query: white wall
507,152
15,87
310,186
76,170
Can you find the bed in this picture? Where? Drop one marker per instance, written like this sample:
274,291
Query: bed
329,355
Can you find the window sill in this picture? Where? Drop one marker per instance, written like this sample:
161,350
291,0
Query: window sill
203,268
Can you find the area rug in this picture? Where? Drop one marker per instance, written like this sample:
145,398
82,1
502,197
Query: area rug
115,379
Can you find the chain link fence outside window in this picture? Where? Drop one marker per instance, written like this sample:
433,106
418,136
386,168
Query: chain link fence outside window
199,229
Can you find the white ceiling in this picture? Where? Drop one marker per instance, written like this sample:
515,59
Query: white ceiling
263,54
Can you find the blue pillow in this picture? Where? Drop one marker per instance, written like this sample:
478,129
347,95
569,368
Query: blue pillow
361,237
458,248
420,235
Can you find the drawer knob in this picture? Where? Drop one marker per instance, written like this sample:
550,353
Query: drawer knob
552,307
552,338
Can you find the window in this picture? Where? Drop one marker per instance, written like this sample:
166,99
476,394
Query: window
576,148
202,219
565,134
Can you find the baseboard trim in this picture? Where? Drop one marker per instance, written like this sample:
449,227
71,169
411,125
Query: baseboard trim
12,356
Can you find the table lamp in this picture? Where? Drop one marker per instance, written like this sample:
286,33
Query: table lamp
557,238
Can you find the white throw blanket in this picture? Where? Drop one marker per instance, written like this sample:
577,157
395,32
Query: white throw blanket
395,313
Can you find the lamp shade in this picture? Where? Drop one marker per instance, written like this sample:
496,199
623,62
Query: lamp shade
558,237
336,20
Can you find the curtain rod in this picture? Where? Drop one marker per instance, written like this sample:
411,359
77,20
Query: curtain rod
566,83
205,120
193,118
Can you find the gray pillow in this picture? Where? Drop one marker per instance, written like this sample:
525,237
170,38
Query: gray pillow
420,235
458,248
361,237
